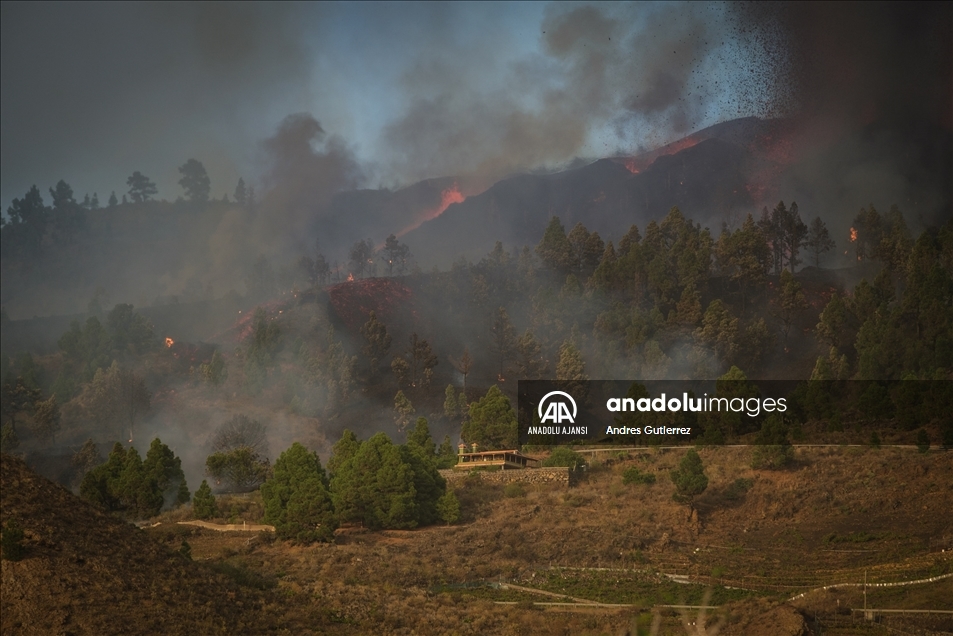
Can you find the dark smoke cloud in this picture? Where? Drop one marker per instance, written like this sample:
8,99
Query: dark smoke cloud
93,91
863,63
305,167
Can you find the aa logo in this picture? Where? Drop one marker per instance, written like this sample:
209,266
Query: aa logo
557,409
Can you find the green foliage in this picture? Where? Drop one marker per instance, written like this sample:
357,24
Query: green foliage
263,343
773,451
514,490
403,411
376,342
240,469
165,469
554,250
421,439
719,331
633,475
129,331
446,454
136,488
563,456
11,543
448,508
386,486
344,450
214,371
571,368
452,408
203,503
689,479
503,339
737,489
296,497
492,422
791,301
46,419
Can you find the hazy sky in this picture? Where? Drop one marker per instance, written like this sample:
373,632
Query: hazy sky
93,91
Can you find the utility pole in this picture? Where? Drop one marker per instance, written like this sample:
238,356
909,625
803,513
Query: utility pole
865,594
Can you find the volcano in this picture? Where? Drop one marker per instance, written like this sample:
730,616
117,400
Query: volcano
715,175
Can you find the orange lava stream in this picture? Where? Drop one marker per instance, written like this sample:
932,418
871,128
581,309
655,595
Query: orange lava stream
448,197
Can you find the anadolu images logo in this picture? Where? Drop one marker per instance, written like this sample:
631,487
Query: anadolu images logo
557,411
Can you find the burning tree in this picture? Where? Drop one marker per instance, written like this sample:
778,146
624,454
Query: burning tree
395,255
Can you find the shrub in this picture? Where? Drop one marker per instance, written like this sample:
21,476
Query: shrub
11,543
633,475
564,457
738,488
448,507
513,490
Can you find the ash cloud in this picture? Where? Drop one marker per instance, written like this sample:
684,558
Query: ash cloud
305,167
650,73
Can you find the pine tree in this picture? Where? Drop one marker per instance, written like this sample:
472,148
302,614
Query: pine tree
343,451
792,301
241,195
491,422
140,187
503,340
689,479
420,438
296,497
403,411
165,469
448,507
195,181
819,240
554,250
113,201
203,503
377,341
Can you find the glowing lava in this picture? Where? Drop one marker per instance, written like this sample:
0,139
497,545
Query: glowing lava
448,197
169,342
637,164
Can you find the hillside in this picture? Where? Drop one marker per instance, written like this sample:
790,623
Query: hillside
87,573
759,539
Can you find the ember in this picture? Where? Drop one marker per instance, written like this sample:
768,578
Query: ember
169,342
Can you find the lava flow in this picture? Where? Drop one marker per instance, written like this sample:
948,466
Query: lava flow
639,163
448,197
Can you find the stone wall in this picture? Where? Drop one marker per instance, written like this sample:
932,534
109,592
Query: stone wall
559,475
